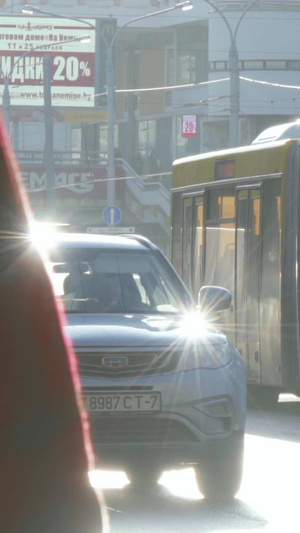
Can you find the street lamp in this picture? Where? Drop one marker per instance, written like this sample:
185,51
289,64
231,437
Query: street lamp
110,78
233,61
7,77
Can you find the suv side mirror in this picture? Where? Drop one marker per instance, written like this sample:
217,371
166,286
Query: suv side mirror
214,299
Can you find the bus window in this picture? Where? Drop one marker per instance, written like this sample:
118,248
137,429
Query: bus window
220,238
241,317
248,280
198,225
271,230
254,269
187,242
270,284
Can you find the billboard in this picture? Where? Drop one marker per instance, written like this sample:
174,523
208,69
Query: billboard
23,43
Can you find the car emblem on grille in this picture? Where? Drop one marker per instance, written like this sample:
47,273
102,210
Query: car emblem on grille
115,362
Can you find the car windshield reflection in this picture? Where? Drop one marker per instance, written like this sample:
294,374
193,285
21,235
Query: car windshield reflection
113,282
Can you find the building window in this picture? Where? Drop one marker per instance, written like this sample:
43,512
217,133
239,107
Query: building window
182,142
146,137
76,142
186,68
221,65
268,64
170,68
276,65
192,56
103,139
253,65
293,65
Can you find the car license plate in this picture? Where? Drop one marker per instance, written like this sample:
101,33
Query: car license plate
122,402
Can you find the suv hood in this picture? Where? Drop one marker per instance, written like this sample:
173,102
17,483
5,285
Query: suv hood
117,330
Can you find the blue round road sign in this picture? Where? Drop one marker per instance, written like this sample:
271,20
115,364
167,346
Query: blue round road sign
112,214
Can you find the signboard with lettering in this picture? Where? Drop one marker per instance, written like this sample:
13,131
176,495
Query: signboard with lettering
74,186
77,187
189,126
24,41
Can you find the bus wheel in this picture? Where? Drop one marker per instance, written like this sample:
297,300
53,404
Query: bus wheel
219,475
262,397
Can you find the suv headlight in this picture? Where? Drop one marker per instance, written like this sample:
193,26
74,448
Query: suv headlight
204,356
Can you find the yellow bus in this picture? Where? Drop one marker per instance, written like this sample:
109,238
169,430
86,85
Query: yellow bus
236,224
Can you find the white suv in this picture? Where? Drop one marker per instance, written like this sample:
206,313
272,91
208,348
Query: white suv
163,388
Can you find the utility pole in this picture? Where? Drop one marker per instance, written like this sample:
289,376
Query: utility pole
48,151
6,104
233,60
111,171
233,63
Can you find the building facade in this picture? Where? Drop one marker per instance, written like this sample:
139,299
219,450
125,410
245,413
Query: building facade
173,97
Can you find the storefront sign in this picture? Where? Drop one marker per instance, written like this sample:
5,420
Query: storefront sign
73,186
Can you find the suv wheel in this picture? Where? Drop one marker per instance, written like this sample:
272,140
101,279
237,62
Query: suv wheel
219,475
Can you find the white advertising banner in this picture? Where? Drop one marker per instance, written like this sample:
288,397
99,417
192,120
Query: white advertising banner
189,126
23,43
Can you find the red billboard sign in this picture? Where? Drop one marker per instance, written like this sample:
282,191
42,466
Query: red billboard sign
21,60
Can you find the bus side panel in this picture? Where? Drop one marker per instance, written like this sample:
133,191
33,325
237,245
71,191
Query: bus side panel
290,274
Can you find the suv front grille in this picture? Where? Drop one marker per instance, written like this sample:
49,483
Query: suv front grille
123,365
142,430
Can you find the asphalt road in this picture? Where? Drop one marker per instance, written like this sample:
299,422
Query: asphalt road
267,502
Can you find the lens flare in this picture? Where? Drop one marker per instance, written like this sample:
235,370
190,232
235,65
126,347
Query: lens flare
43,235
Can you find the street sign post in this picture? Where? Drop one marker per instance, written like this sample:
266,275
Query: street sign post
112,215
110,230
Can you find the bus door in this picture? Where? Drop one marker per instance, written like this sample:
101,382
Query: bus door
248,272
270,315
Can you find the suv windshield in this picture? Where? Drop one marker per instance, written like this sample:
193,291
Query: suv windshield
104,281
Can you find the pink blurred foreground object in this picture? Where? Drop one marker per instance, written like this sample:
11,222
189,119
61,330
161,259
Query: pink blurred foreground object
45,446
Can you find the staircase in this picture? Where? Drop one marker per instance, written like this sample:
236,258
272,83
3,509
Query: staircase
149,202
